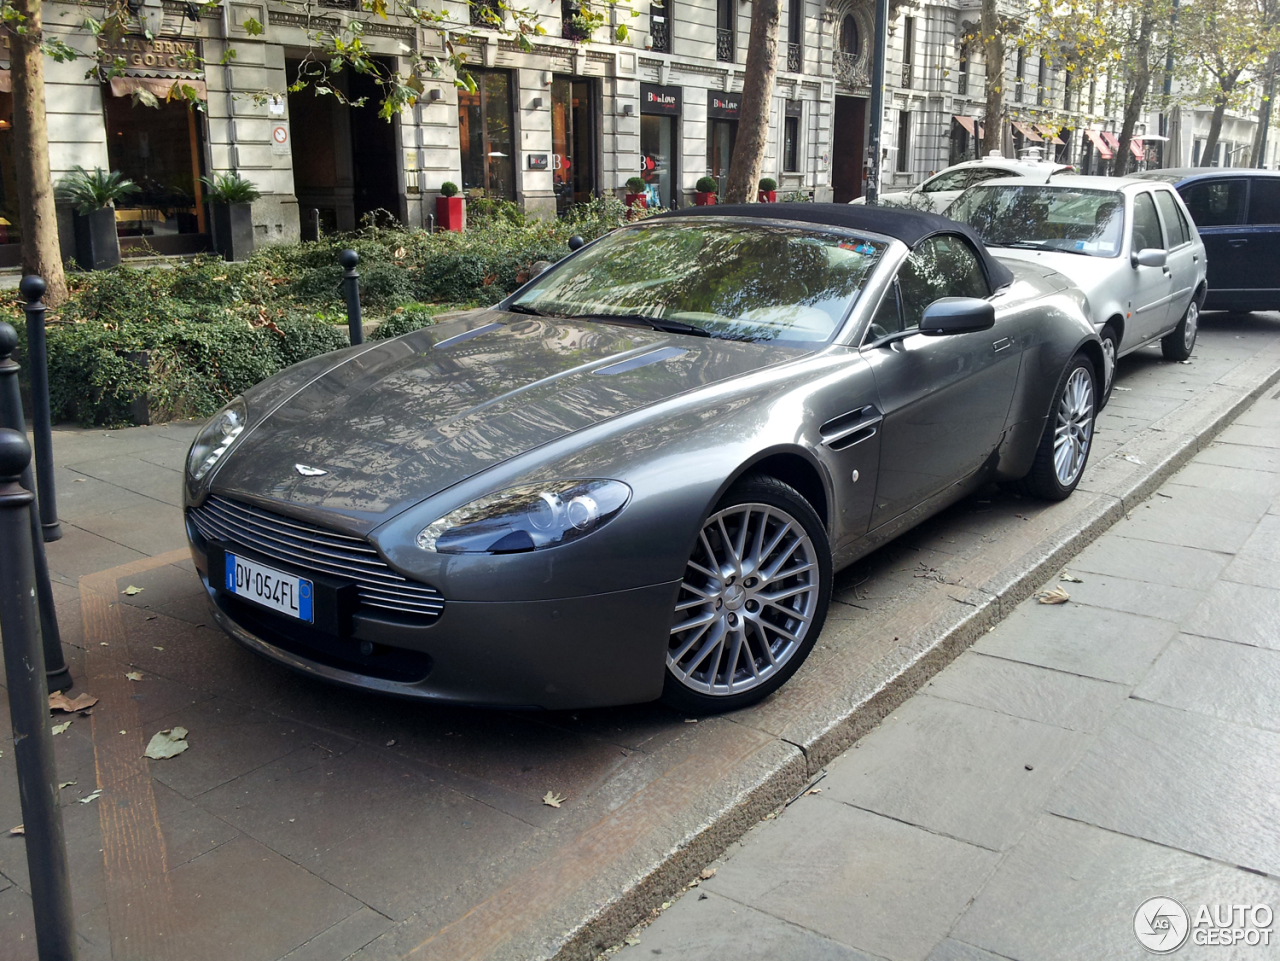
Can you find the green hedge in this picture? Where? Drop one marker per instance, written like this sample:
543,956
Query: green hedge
188,337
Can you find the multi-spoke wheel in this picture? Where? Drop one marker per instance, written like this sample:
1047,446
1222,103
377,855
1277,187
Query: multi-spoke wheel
1110,351
1181,341
752,601
1068,434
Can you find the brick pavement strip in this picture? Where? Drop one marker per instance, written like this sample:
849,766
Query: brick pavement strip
315,822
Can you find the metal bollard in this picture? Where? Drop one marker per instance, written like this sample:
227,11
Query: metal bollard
351,282
55,665
32,289
576,242
29,711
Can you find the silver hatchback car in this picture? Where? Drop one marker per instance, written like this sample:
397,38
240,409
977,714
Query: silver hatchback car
1129,245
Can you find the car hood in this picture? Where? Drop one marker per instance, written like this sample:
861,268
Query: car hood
410,417
1087,273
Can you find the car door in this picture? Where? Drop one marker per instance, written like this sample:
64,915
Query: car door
944,400
1261,261
1151,286
1183,257
1217,206
944,188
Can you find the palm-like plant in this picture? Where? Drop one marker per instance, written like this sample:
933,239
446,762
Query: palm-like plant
230,189
88,192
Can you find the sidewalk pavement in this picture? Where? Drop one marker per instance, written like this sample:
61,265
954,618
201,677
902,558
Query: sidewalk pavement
1078,760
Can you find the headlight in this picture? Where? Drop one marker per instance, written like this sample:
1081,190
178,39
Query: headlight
218,435
527,518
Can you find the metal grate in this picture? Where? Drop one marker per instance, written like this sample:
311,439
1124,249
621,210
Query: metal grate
795,58
311,548
724,45
659,31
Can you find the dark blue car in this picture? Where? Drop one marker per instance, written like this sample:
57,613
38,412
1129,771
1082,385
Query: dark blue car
1237,211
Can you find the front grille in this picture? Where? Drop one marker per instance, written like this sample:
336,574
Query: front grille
311,548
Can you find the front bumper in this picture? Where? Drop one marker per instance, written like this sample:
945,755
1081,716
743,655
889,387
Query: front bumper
594,651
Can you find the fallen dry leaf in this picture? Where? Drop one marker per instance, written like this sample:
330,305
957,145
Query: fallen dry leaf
89,797
1130,458
157,648
1069,578
553,800
59,728
133,675
167,744
131,590
59,702
631,940
17,830
706,874
1055,596
65,784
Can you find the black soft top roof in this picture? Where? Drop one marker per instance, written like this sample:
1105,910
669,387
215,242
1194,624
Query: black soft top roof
909,226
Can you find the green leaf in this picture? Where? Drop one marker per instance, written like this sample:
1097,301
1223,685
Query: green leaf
252,27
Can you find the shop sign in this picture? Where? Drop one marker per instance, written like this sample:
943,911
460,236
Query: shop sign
723,106
174,57
537,161
655,98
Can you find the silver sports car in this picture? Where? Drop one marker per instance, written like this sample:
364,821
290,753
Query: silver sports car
635,477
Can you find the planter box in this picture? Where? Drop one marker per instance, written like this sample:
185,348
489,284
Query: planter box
638,200
704,198
97,246
233,230
451,213
767,196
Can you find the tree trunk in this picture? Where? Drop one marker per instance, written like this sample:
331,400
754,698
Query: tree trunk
1141,75
757,90
993,53
40,253
1215,129
1259,154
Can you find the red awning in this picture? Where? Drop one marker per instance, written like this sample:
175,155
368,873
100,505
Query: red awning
1137,149
1098,142
969,124
1050,134
160,86
1026,130
1111,139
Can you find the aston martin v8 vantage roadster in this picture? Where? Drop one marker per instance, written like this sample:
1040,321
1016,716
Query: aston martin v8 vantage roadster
635,477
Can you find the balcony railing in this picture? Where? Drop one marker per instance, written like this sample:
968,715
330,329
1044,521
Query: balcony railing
659,33
795,58
724,45
851,70
906,75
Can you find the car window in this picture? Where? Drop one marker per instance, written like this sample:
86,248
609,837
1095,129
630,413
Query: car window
888,319
1264,201
943,266
947,180
979,174
1146,225
1214,203
1054,216
1173,225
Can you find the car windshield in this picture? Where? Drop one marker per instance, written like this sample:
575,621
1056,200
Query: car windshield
736,279
1044,216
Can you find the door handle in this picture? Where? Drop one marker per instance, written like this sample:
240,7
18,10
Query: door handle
1002,344
1237,242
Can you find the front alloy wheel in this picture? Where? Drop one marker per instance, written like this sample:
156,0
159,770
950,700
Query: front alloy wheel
752,601
1068,434
1181,341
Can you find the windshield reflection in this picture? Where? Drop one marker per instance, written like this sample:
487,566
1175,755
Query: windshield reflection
1044,217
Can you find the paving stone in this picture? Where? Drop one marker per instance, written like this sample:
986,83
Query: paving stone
1219,477
1251,436
1234,682
134,474
80,552
1069,892
958,770
1181,779
1237,455
1169,565
1265,539
1025,690
1254,569
1195,517
1134,597
1239,612
1093,642
953,950
343,939
163,532
698,927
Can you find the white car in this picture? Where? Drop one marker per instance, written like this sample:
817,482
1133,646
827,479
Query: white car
1130,245
938,192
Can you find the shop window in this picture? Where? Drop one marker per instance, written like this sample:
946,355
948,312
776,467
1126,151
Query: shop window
723,134
159,149
791,145
10,223
485,132
572,142
904,141
658,158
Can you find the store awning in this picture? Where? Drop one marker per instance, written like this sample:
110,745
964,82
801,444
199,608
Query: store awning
1137,149
159,86
969,123
1096,138
1050,134
1111,140
1027,131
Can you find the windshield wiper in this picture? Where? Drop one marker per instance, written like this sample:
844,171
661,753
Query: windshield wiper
522,309
657,323
1036,245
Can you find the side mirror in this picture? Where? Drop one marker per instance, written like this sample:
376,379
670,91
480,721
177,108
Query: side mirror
957,315
1149,257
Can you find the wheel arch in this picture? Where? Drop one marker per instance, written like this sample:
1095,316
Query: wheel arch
1116,320
795,466
1093,350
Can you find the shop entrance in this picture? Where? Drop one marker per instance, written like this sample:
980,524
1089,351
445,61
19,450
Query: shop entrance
10,222
160,149
659,136
486,135
848,147
722,131
344,157
572,142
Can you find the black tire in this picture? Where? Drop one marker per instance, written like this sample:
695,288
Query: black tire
1108,335
1043,480
1181,341
743,505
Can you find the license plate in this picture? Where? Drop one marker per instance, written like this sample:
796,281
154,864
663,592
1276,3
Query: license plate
269,587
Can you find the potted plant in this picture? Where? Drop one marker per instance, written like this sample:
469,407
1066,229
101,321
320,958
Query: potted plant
636,196
92,197
705,191
231,199
768,191
451,210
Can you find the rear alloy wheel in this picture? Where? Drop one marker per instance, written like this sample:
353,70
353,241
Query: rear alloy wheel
1181,341
1068,434
1110,350
753,599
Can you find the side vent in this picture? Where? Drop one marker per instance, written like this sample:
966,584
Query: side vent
852,428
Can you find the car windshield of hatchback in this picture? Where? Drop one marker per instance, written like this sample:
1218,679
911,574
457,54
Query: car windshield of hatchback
734,279
1044,217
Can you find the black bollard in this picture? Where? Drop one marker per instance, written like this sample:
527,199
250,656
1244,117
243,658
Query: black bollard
29,711
576,242
351,281
32,289
55,665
